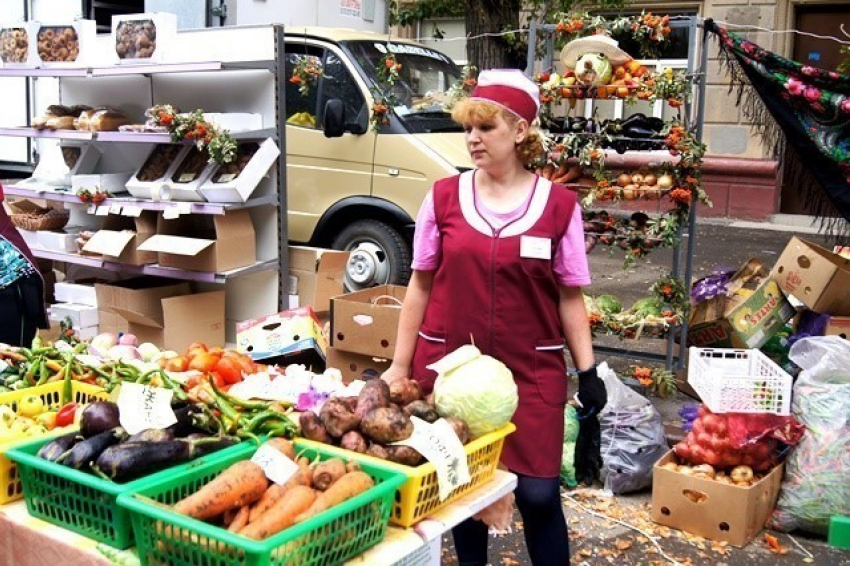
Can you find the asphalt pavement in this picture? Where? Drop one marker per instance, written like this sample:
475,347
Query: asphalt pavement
606,529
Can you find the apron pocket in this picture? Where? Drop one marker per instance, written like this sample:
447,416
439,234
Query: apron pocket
535,267
550,371
430,347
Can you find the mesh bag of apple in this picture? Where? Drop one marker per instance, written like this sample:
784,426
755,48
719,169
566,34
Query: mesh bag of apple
734,448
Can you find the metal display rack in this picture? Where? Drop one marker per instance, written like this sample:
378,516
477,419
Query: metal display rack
693,116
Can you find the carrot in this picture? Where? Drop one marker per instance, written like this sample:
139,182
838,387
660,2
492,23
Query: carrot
282,514
284,445
346,487
304,476
240,519
327,472
241,484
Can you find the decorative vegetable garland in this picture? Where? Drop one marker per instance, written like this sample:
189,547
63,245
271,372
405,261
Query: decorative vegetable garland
217,143
307,73
659,381
386,73
649,31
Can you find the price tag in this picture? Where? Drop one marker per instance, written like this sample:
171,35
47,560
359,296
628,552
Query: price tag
115,209
141,407
226,178
102,211
92,208
171,213
439,444
131,210
186,178
3,366
275,464
184,207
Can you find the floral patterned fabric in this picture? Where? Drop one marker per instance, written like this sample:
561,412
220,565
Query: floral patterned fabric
810,105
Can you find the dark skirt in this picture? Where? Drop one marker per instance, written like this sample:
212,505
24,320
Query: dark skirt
22,310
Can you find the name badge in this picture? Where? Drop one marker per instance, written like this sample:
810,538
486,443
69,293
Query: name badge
534,247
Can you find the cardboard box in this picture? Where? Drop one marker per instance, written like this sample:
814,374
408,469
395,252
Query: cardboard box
356,366
112,183
160,164
838,326
204,243
293,336
121,237
815,276
109,321
18,45
366,322
143,38
319,274
76,51
79,315
711,509
65,292
228,184
56,241
165,313
747,319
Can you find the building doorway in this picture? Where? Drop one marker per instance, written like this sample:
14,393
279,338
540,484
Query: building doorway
821,53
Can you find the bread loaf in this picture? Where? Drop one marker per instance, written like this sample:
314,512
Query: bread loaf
107,120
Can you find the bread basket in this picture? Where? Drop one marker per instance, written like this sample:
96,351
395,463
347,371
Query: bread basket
50,219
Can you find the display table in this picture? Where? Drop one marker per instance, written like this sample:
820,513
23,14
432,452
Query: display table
26,541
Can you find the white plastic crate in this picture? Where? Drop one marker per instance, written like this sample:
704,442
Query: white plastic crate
739,381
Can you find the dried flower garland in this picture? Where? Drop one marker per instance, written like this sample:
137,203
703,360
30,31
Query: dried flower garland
217,143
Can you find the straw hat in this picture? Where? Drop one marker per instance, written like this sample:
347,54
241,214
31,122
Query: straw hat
603,44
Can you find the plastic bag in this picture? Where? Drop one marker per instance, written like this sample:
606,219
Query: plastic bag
498,516
632,436
817,473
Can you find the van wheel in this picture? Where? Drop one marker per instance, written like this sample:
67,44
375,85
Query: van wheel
379,255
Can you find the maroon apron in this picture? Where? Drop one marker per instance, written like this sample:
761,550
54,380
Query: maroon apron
486,292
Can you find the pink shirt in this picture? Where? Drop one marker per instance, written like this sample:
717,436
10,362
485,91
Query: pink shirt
569,264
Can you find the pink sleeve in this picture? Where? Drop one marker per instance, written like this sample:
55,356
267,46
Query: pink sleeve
570,263
427,246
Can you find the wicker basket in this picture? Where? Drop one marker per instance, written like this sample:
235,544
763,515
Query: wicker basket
53,219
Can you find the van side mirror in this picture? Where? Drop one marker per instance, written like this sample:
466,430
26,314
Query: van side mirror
333,123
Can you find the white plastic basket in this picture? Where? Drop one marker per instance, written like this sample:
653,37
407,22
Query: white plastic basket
739,381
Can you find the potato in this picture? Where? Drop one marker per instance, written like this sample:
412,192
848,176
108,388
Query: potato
422,410
386,424
404,391
312,428
375,394
337,417
378,451
404,455
353,440
460,427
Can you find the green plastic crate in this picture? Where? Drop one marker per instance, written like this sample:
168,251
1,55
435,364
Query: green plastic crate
82,502
166,537
839,532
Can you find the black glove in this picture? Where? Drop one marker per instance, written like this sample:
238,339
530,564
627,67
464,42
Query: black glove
592,396
591,393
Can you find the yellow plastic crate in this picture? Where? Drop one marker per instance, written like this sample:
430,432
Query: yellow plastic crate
11,488
419,496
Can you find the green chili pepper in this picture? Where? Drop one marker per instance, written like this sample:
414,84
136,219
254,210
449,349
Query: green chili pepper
43,373
67,392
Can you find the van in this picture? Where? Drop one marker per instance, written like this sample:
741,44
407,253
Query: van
350,186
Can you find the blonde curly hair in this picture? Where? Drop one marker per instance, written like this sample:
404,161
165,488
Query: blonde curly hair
530,151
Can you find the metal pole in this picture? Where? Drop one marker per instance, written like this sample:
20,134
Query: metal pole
532,41
282,220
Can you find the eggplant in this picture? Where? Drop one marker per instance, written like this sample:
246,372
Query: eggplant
190,419
152,435
54,449
86,452
99,417
129,460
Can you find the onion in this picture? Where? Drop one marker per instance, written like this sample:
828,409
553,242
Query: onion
122,352
665,182
148,351
624,180
100,344
704,470
649,179
127,339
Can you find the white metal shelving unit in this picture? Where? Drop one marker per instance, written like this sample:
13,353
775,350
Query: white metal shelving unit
232,69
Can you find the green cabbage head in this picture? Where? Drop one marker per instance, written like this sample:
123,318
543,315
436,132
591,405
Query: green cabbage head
476,388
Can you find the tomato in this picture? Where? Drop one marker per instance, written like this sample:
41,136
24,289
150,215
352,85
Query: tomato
204,362
245,362
704,440
711,423
177,364
65,416
217,380
702,411
683,450
698,426
229,369
30,406
711,457
198,346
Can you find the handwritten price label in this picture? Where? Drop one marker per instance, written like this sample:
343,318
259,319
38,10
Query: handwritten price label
439,444
141,407
275,464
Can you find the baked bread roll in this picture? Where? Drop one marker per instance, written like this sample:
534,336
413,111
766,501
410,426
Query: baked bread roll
107,120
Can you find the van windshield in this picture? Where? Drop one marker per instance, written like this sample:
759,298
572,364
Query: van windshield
420,92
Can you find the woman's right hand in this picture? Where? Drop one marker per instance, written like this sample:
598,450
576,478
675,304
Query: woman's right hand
395,372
